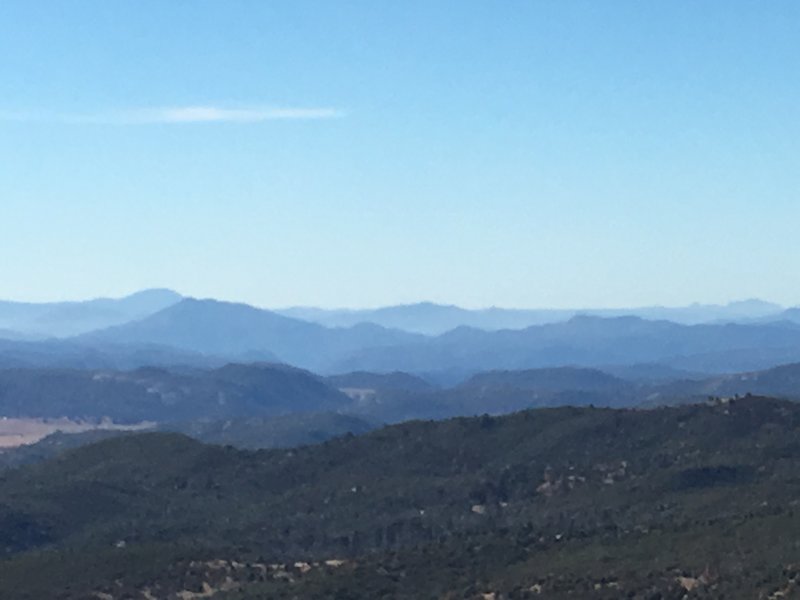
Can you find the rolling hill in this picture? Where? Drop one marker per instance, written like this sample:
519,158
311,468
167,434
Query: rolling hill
152,394
501,392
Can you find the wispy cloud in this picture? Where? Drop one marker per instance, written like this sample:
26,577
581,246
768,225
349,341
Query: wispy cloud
175,115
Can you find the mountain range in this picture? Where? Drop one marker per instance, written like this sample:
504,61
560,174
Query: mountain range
236,331
66,319
222,404
435,319
160,328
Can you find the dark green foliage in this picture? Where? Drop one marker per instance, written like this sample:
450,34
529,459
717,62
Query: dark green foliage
285,431
710,476
51,446
556,503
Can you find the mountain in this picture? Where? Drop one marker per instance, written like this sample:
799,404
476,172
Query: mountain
431,319
791,314
425,318
68,354
153,394
262,390
587,341
210,327
435,319
379,382
558,379
239,331
502,392
8,334
210,333
651,373
780,382
65,319
696,501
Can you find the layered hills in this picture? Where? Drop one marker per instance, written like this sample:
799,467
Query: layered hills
168,330
265,390
434,319
239,331
152,394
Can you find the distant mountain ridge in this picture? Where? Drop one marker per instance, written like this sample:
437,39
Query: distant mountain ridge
240,331
434,319
588,341
65,319
500,392
207,333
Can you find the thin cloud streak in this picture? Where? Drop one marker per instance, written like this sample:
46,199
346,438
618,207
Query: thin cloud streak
176,115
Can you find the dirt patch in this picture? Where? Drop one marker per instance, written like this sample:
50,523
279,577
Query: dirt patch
19,432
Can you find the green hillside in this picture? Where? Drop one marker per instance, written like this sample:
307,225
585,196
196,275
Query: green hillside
567,502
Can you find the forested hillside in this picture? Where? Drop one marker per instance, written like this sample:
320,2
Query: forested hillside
555,503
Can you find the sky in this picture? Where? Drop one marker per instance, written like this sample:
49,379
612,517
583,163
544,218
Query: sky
536,153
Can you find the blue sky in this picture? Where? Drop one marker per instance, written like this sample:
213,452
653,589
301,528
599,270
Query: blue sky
335,153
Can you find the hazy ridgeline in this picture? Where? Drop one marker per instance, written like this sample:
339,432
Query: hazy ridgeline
161,328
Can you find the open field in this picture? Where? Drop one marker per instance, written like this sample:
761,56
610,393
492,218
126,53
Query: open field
18,432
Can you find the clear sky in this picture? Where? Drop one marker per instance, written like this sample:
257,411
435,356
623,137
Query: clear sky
337,153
